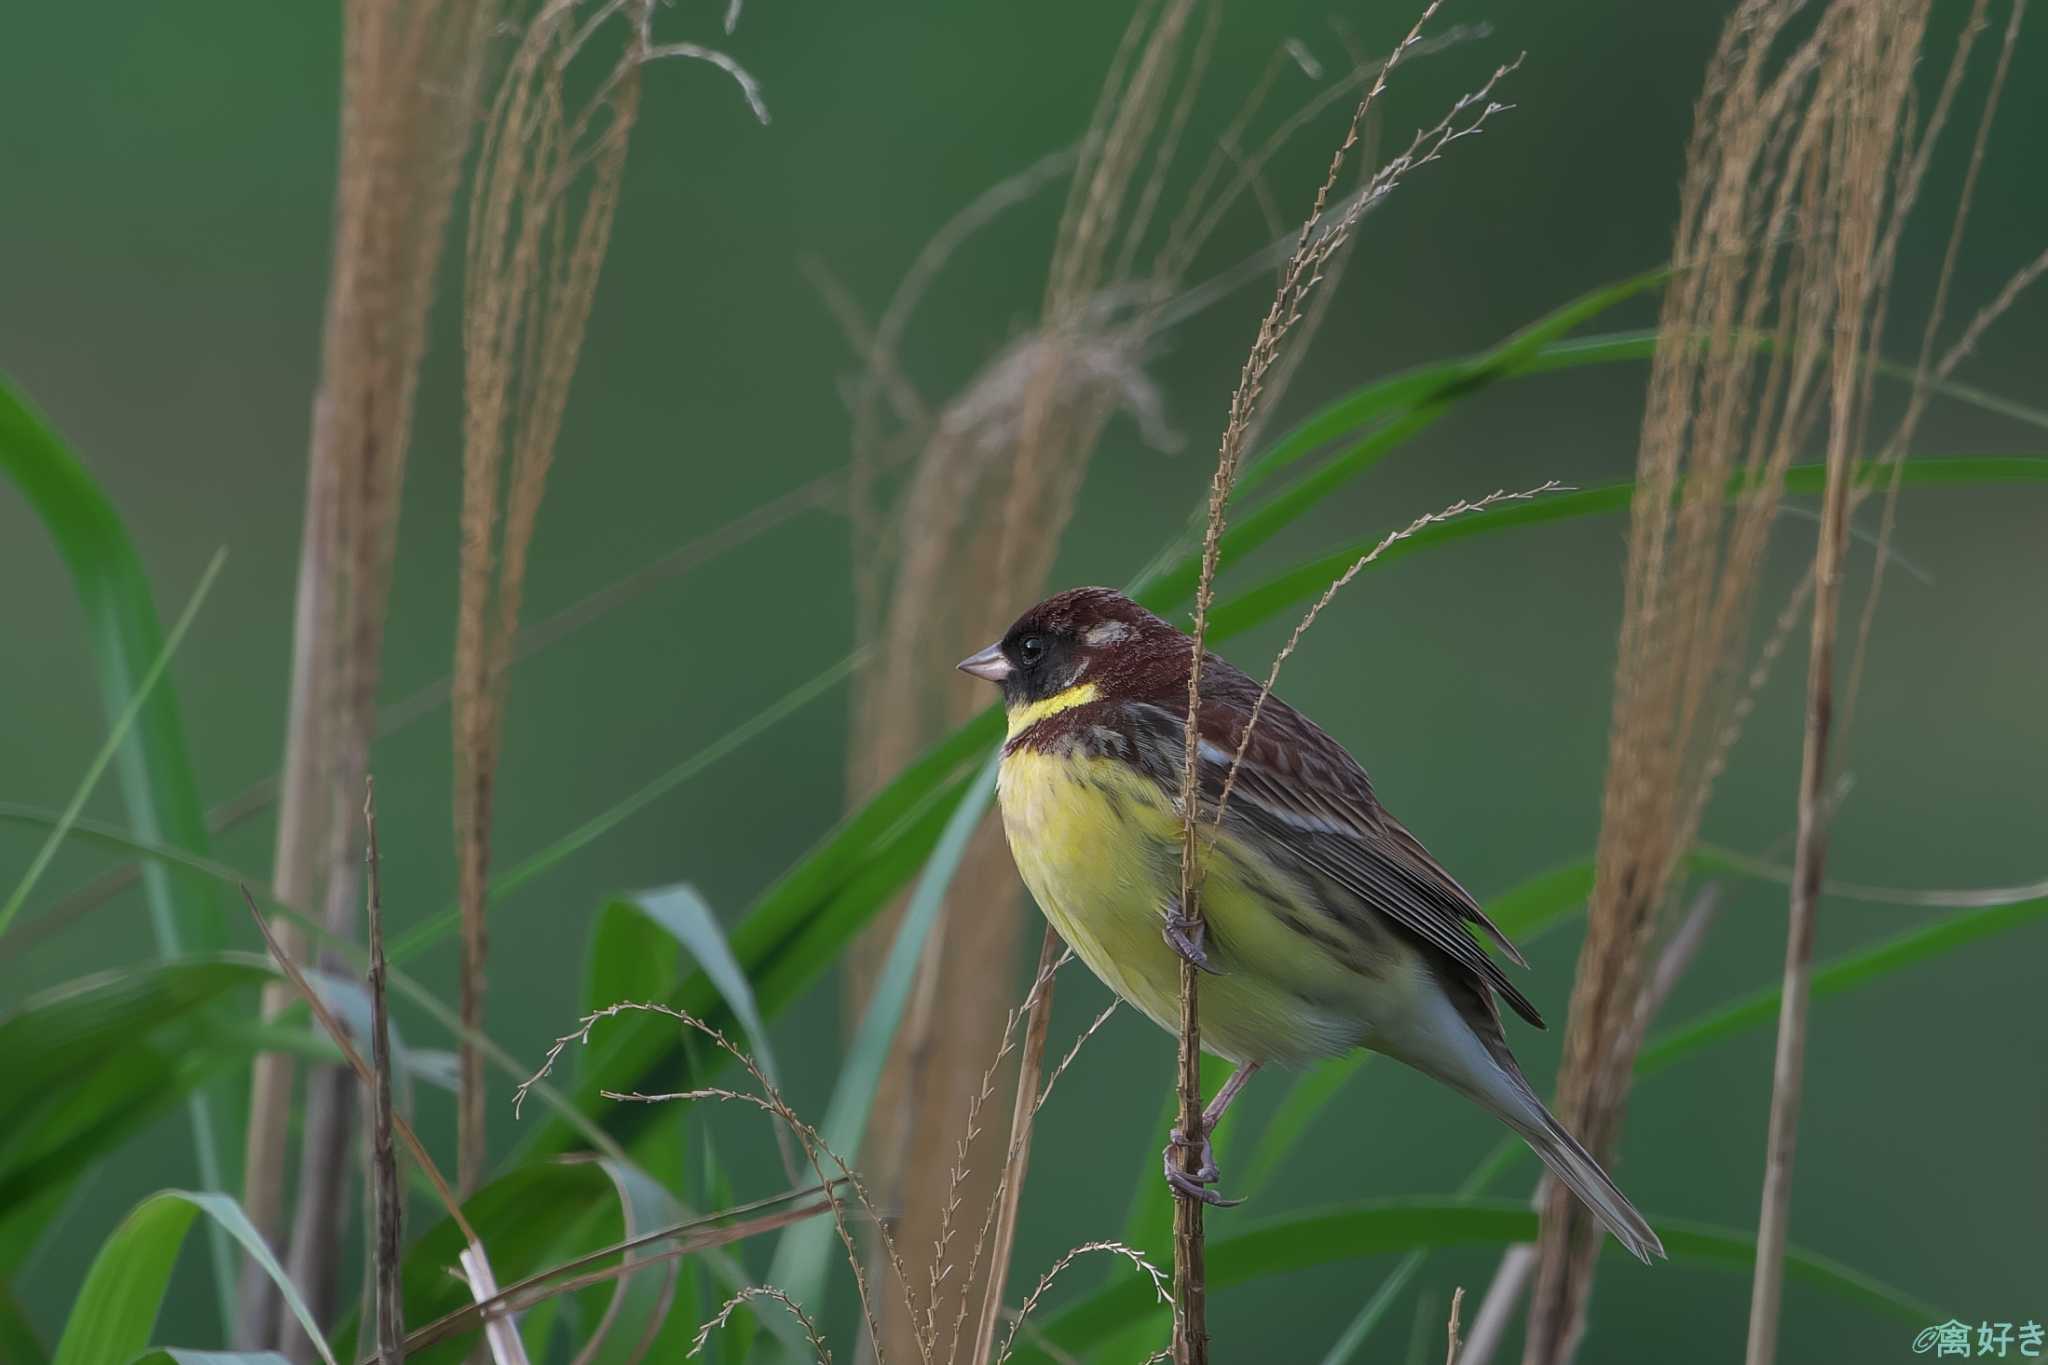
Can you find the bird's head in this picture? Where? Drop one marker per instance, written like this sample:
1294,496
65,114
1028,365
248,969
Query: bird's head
1083,638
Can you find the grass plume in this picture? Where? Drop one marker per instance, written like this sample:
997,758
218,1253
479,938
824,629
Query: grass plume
1323,234
409,81
541,212
1804,160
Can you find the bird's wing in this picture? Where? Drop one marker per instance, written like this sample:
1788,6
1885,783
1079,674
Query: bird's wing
1299,791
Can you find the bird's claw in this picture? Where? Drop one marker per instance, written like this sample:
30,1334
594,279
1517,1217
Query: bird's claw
1194,1184
1185,935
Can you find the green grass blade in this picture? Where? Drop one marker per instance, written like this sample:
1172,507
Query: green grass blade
1352,1339
683,913
1305,580
629,957
1421,396
524,1218
19,1343
639,1300
178,1355
87,1065
155,772
1374,1227
1533,351
780,964
117,1306
802,1256
154,768
1953,930
430,1002
116,737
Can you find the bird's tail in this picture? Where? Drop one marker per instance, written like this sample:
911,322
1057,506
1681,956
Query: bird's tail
1462,1047
1518,1107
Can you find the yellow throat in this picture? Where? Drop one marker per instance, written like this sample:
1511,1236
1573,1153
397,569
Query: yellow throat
1023,717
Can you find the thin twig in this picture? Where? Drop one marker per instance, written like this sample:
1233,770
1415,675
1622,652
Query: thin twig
690,1237
747,1295
384,1160
1136,1258
1075,1051
1322,237
1308,619
959,1172
337,1032
770,1100
1503,1294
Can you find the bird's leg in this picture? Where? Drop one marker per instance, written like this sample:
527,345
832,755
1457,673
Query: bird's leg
1195,1184
1184,934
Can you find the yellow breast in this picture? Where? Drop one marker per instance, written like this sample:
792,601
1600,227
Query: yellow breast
1098,844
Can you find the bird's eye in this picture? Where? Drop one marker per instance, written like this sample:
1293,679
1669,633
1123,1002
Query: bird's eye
1031,649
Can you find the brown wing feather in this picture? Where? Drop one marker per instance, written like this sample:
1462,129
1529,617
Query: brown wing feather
1300,791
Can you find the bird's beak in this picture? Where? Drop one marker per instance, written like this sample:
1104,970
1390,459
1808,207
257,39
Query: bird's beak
989,664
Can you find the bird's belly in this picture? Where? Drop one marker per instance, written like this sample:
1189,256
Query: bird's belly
1099,847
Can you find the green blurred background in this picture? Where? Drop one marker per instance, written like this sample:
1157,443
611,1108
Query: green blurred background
163,249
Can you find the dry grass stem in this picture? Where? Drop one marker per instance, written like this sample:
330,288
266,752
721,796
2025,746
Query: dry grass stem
1451,1328
1322,236
1872,202
389,1256
632,1263
768,1099
1802,165
941,1268
690,1237
1924,377
1502,1298
1136,1258
1010,1187
409,81
541,213
338,1032
1079,1042
945,551
1517,1266
1391,539
748,1295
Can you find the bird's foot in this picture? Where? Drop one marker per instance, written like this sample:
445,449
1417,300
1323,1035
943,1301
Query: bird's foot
1185,934
1194,1184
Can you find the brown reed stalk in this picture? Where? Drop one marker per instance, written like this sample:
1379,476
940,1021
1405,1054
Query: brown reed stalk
1886,42
389,1253
1013,1170
541,212
1323,233
971,531
338,1034
1010,1192
1803,163
409,79
1013,448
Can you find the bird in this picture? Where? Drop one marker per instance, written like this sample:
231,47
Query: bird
1324,924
